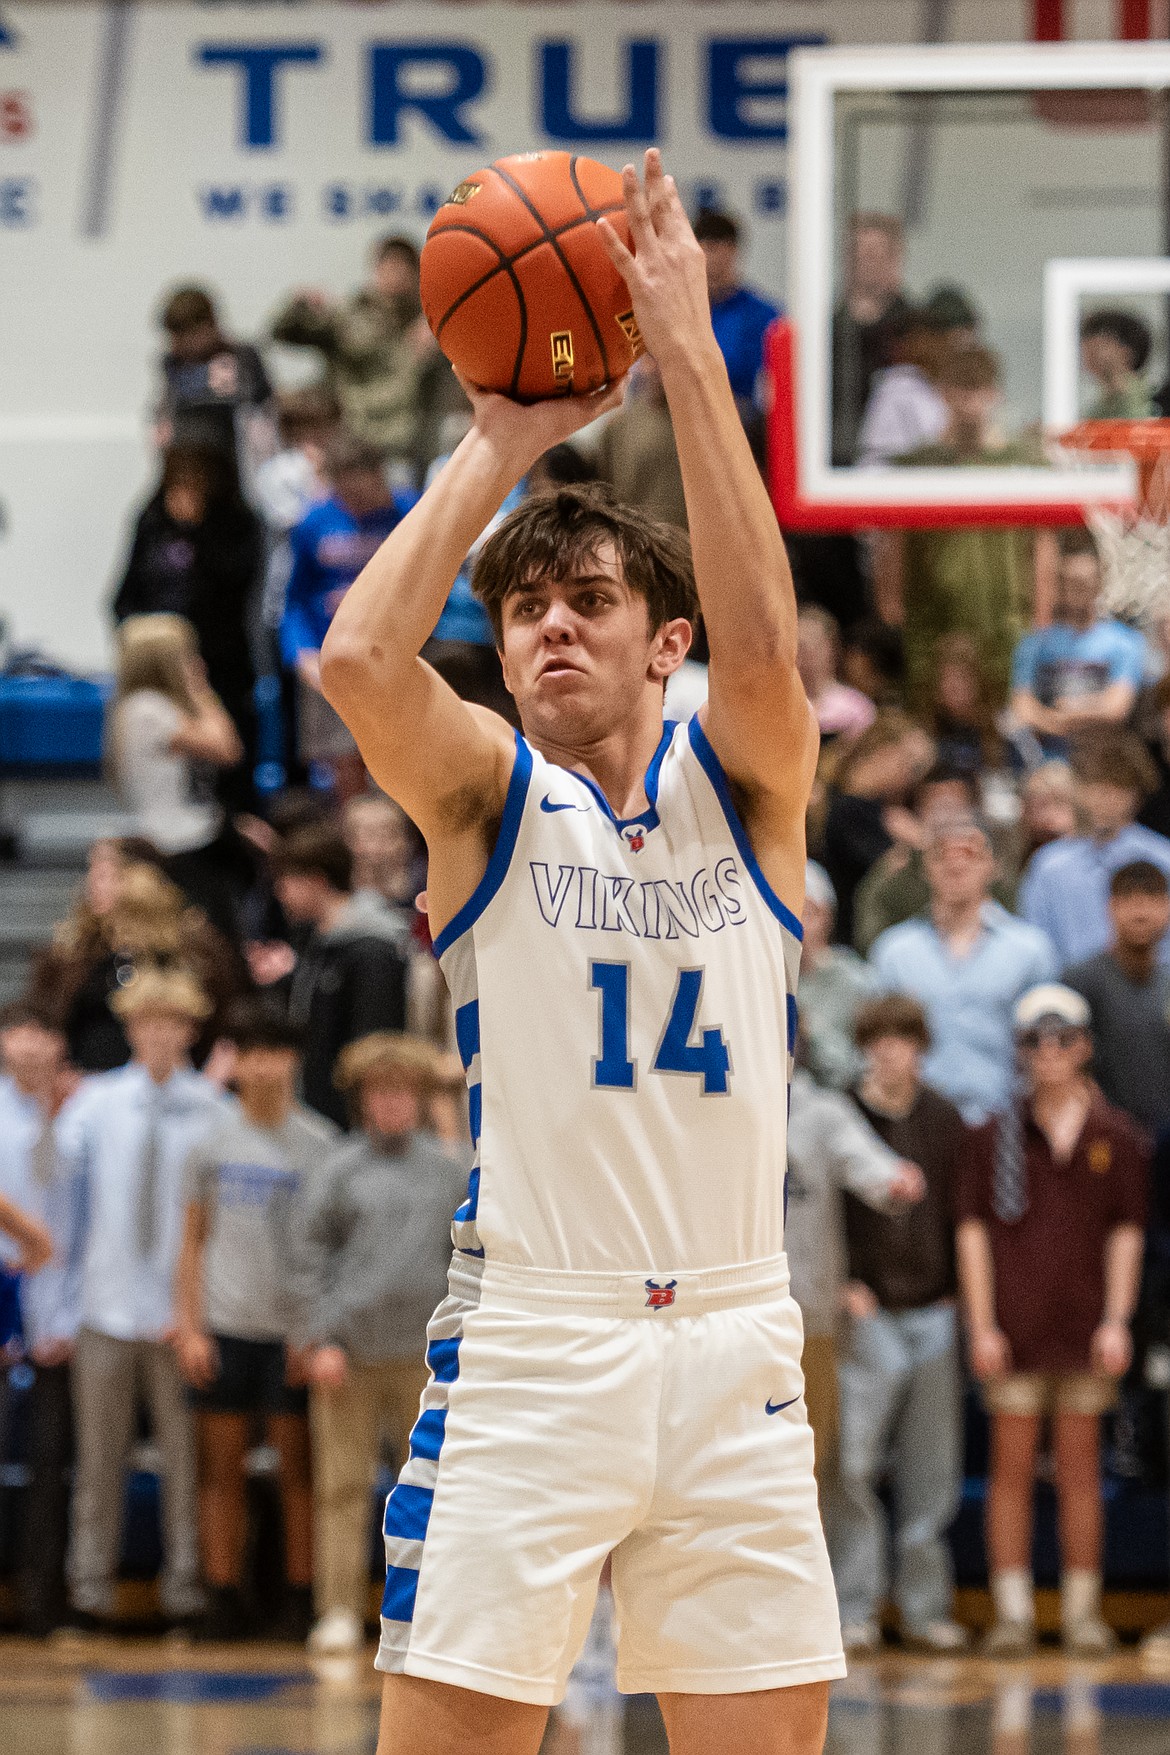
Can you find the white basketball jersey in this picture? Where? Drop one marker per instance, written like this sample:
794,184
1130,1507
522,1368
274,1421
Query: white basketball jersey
625,1011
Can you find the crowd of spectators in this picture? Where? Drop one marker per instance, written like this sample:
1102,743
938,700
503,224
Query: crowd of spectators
232,1132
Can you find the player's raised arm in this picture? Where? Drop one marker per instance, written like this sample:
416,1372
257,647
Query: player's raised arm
425,746
758,718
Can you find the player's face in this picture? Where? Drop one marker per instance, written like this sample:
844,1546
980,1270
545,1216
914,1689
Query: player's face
579,652
31,1055
1078,586
1141,919
267,1072
959,868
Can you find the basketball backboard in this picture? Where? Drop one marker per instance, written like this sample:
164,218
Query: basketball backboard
993,161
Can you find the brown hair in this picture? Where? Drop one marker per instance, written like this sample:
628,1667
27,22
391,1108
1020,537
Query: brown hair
969,368
316,850
187,308
1078,539
891,1014
892,726
1113,757
1141,877
553,535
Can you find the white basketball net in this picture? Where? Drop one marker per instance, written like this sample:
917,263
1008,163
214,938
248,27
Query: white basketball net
1135,547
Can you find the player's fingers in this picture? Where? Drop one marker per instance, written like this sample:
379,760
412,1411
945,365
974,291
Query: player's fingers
657,192
637,208
619,255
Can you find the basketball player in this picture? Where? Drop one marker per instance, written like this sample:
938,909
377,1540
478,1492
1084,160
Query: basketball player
616,907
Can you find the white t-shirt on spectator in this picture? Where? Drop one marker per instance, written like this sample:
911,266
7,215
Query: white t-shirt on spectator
904,411
161,786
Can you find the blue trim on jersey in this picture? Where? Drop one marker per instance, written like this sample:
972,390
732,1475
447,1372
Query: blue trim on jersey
501,859
475,1111
426,1440
470,1207
467,1032
408,1509
649,817
399,1595
793,1022
443,1359
408,1512
713,769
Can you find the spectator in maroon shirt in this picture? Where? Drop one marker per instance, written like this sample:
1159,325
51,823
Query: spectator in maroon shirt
1051,1207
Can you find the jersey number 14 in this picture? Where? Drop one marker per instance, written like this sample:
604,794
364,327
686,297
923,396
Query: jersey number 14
708,1058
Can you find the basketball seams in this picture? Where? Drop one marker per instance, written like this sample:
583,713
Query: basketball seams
505,262
551,237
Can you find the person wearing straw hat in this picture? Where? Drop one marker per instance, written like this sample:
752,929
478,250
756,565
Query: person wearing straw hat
1051,1209
129,1134
378,1244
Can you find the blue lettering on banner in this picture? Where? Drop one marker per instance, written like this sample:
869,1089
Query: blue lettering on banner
770,196
259,64
223,203
391,96
561,119
735,94
273,202
16,202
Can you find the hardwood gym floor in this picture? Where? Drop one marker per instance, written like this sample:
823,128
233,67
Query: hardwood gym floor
139,1698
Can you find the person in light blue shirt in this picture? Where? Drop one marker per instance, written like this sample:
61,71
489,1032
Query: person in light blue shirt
1065,887
37,1081
128,1135
967,962
1084,669
739,316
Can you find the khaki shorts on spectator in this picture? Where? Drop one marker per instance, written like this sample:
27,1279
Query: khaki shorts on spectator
1043,1392
321,735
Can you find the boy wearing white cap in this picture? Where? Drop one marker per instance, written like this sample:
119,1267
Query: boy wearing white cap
1051,1207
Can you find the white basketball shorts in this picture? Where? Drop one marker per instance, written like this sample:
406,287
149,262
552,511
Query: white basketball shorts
574,1416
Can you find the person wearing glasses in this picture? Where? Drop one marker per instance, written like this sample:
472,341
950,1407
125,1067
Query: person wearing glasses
1051,1210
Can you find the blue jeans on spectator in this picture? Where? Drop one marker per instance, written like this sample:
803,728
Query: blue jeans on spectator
901,1410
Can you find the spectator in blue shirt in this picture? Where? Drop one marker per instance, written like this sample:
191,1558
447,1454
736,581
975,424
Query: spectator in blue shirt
967,962
128,1134
1065,888
35,1082
739,316
329,548
1086,669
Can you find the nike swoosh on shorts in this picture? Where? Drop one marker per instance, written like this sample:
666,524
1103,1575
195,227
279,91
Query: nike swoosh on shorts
780,1406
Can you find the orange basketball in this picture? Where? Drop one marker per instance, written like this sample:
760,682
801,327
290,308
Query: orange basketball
516,284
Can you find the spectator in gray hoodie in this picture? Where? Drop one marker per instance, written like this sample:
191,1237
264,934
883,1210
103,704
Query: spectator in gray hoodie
377,1247
831,1147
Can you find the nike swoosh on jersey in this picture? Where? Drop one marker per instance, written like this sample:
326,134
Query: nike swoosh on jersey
780,1406
547,805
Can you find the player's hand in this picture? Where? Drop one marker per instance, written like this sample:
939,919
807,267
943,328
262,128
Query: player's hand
328,1367
520,432
666,272
198,1357
1112,1349
991,1354
51,1352
858,1300
908,1184
36,1251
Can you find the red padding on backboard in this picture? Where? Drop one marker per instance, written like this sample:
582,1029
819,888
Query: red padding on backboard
795,512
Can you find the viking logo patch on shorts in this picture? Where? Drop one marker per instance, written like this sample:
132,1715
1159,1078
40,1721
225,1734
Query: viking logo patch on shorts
660,1297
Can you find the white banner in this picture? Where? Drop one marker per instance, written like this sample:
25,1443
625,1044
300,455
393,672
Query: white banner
261,148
